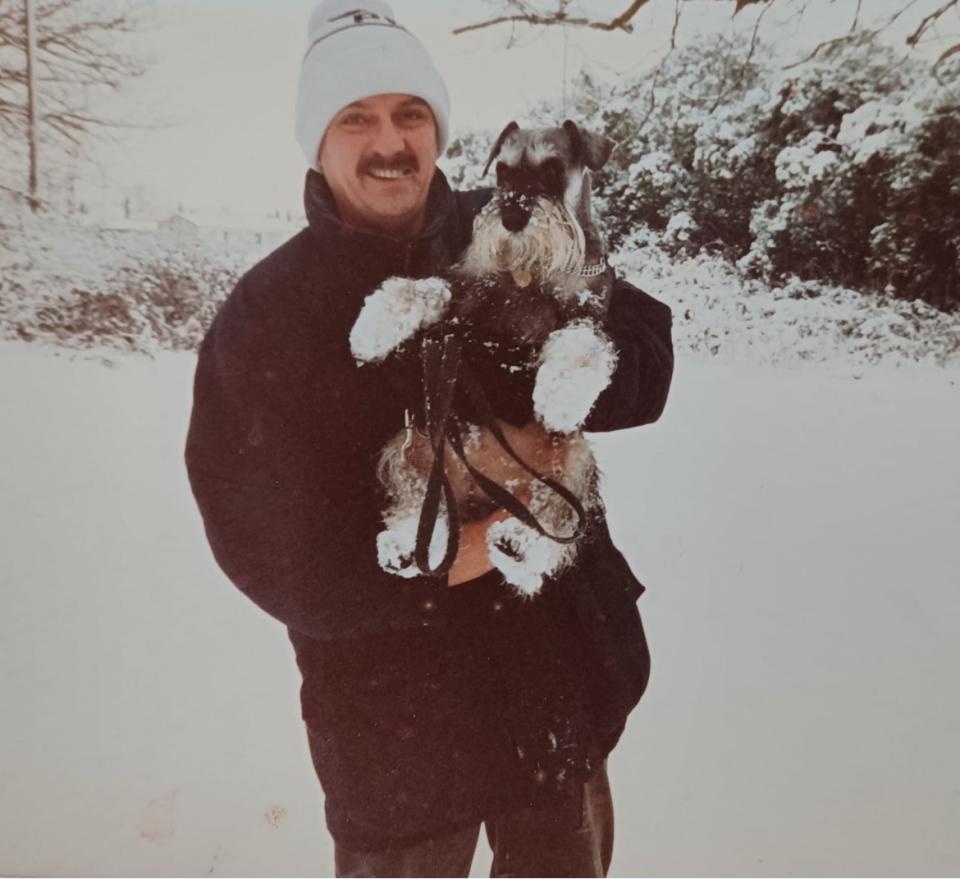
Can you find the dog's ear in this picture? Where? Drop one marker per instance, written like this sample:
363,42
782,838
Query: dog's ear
593,150
512,127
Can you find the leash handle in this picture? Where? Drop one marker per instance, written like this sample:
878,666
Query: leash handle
441,360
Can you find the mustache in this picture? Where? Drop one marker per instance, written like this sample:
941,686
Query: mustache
405,161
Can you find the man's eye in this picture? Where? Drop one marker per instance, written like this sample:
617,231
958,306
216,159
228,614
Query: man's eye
413,116
353,119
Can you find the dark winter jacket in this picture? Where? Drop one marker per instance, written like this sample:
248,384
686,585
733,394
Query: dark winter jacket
427,707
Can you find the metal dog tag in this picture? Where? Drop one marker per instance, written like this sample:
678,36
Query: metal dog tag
522,278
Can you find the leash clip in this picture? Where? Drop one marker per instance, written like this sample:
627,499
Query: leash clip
408,427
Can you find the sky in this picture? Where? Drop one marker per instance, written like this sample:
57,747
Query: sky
216,106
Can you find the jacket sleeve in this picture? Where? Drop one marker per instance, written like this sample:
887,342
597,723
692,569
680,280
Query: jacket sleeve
302,552
641,329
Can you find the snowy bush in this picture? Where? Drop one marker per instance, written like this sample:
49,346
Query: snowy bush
85,286
864,140
843,168
465,158
718,312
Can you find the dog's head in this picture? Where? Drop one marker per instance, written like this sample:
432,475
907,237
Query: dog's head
540,217
552,163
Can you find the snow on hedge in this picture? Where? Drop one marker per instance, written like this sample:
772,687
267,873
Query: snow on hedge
719,312
131,289
90,288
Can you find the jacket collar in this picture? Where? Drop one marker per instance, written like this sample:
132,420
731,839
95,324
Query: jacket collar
330,231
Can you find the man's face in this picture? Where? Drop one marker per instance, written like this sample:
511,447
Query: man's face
378,156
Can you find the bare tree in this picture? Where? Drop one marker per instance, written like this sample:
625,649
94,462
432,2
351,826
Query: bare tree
56,56
556,13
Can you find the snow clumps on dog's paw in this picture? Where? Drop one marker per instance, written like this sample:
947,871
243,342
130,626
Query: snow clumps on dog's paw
394,312
396,546
395,554
522,555
577,362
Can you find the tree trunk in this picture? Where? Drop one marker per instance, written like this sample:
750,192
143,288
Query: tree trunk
30,24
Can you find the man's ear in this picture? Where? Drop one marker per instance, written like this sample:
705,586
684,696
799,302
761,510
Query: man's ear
593,150
512,127
316,165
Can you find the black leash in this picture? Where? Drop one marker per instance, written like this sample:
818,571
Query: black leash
495,491
441,360
442,368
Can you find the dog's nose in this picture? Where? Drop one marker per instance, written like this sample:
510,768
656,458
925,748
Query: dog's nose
514,217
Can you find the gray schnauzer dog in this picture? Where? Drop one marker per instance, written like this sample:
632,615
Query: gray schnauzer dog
535,275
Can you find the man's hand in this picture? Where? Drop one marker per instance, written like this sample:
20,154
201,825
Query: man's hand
473,557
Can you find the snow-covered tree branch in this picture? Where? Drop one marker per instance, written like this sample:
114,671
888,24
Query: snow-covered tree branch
556,13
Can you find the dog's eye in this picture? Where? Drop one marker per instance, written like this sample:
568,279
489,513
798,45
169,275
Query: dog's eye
552,169
550,176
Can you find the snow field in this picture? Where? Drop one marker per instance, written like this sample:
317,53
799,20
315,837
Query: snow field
796,530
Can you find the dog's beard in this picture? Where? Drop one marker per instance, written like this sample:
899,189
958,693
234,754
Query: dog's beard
550,245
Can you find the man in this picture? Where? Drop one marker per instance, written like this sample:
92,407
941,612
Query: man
432,705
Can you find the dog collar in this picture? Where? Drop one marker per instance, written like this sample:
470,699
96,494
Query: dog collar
593,271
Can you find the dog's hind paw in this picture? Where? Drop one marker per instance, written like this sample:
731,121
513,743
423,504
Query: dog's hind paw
522,555
576,365
396,547
394,312
396,554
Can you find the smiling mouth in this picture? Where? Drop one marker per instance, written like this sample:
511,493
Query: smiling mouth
384,174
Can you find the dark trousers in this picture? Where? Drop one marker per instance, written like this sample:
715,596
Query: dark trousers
573,838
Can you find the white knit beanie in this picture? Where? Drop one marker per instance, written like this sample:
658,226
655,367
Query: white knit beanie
356,49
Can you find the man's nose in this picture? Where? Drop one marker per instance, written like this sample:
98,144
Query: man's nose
388,140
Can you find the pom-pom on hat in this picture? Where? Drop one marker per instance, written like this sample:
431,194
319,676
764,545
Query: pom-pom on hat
356,49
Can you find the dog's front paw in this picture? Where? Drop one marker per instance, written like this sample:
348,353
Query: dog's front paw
576,365
394,312
523,556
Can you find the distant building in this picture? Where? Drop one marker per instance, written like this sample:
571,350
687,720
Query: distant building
124,225
179,225
222,229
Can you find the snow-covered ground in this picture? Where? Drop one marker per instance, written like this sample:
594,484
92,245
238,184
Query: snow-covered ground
796,525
